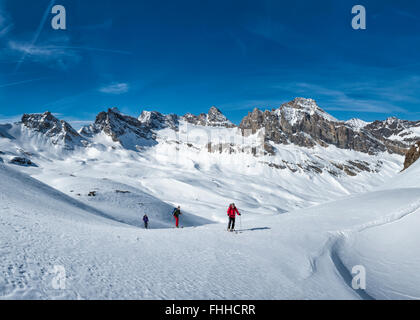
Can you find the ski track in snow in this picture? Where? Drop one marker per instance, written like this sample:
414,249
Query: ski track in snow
337,240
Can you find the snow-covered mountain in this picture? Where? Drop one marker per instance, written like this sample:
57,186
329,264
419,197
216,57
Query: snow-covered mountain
403,133
303,123
317,190
58,132
127,131
298,137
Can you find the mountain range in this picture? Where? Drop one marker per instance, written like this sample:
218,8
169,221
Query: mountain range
300,123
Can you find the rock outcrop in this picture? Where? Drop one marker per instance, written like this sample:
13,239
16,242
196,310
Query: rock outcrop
412,155
22,161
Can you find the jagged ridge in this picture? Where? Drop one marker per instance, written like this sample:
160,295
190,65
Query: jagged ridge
59,131
303,123
300,122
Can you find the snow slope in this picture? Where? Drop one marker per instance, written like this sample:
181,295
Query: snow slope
388,247
305,254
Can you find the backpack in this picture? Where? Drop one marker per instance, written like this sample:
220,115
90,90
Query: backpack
175,213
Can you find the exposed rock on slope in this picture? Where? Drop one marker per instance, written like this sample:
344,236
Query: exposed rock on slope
396,134
22,161
412,155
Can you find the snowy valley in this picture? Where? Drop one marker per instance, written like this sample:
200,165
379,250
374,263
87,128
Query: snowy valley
318,196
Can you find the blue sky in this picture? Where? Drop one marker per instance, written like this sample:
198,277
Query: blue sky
185,56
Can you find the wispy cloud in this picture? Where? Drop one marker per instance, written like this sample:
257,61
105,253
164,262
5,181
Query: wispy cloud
9,119
11,84
106,25
341,96
250,104
74,122
77,124
66,103
56,57
36,35
55,52
95,49
407,14
115,88
5,22
357,98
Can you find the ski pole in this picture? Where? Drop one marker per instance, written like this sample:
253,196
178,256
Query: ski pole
240,221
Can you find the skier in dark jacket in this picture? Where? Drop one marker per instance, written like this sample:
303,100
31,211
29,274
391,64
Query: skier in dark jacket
232,212
176,213
146,221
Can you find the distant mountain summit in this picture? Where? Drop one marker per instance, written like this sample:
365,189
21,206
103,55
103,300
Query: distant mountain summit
126,130
303,123
214,118
402,132
58,131
154,120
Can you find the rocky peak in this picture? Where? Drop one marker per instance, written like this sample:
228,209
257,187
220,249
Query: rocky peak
131,133
255,120
398,135
155,120
214,118
41,121
126,130
59,131
302,104
390,126
295,110
302,122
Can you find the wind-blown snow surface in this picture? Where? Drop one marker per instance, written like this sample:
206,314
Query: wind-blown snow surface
294,241
299,254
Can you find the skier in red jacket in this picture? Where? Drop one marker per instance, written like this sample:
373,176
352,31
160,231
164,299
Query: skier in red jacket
231,212
176,213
